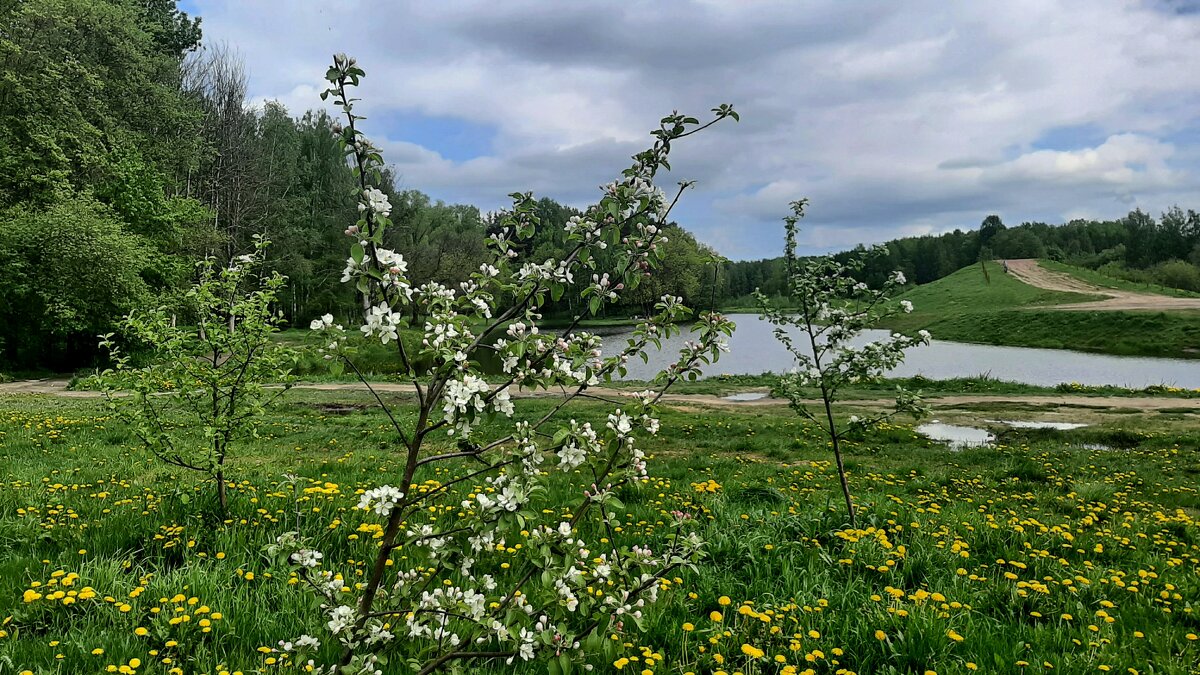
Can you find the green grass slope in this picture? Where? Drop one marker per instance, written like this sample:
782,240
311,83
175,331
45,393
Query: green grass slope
1097,278
968,306
971,290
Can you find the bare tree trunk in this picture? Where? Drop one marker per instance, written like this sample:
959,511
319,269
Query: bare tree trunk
222,495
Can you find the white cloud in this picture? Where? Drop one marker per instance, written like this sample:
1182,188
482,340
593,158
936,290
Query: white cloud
1122,161
894,118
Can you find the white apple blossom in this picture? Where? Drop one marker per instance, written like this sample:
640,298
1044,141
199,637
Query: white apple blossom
381,321
307,557
340,619
375,200
381,500
353,268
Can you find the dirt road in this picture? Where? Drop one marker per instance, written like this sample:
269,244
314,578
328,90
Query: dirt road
58,387
1029,271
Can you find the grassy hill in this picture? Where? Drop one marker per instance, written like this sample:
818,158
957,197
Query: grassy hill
970,289
968,306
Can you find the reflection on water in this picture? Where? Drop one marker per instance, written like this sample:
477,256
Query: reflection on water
746,396
754,350
1058,426
957,437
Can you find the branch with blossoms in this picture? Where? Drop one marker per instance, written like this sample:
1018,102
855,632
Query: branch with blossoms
832,309
478,564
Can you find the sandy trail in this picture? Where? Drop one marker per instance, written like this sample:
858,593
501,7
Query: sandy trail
58,387
1029,271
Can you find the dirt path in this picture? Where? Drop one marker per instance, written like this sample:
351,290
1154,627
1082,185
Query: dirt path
52,386
1029,271
58,387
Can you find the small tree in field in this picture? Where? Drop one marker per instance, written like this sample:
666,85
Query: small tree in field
210,376
475,560
831,310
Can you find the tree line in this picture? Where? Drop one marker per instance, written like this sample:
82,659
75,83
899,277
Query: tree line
129,151
1139,247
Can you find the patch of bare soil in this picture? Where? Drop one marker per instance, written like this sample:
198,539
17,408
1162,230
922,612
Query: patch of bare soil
58,387
1030,272
48,386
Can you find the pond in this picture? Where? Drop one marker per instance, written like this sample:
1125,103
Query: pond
754,350
745,396
955,436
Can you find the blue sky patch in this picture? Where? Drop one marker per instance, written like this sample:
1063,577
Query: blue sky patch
1073,137
454,138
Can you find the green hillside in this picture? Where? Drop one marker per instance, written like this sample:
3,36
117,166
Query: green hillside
997,309
970,290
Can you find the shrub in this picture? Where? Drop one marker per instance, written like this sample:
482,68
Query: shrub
1178,274
71,265
211,377
831,309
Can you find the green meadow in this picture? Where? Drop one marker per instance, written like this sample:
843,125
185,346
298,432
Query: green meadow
1075,552
995,308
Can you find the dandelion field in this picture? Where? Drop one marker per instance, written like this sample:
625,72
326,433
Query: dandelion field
1037,555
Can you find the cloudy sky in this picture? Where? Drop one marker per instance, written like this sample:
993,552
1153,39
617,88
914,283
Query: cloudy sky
892,118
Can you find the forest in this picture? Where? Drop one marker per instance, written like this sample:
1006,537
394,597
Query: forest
129,150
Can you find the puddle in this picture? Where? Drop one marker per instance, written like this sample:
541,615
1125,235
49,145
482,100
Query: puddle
957,437
746,396
338,408
1059,426
1095,446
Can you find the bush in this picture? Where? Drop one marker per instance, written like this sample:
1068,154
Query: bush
73,267
1178,274
213,376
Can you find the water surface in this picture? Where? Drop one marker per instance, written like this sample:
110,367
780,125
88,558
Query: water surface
956,436
746,396
1057,426
754,350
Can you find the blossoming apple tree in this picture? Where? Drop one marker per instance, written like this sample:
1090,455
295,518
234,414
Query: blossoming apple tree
474,559
215,374
831,310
